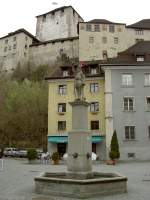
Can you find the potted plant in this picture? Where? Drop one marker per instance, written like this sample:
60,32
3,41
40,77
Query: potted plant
32,155
55,158
114,149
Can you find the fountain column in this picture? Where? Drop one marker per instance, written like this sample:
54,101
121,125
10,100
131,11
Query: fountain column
79,163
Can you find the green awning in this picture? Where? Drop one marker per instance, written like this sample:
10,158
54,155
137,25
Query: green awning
64,139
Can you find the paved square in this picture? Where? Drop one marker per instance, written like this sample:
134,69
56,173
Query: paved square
17,180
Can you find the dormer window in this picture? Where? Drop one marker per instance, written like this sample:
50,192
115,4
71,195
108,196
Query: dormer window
140,58
65,73
93,71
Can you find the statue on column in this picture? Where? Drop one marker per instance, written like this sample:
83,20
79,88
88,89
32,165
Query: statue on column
79,84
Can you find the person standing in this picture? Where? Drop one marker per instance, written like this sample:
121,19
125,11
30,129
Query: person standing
1,160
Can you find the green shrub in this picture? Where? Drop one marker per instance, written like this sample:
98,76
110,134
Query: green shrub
32,154
114,147
55,156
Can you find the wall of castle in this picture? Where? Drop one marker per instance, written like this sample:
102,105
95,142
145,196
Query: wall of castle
49,53
58,24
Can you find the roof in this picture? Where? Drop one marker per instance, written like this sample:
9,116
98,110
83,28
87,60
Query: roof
103,21
129,56
143,24
22,30
56,40
139,48
57,9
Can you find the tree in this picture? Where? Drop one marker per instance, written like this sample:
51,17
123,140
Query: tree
114,147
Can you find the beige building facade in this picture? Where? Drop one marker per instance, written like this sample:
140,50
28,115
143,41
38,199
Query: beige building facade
14,50
100,39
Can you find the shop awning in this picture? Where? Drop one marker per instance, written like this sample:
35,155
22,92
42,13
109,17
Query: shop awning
64,139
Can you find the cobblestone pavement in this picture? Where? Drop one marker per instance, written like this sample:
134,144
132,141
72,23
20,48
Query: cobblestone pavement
17,180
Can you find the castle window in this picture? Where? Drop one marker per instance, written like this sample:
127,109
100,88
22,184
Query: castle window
6,41
5,49
88,27
139,32
14,39
111,28
97,28
44,18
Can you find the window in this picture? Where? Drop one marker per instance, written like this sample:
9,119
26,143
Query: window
62,89
128,103
111,28
94,87
61,125
131,155
97,28
127,80
9,47
88,27
5,49
93,71
115,40
148,103
61,107
25,46
91,39
14,39
130,132
44,18
14,46
95,125
147,79
104,27
65,73
139,58
94,106
149,132
6,41
139,32
26,38
104,40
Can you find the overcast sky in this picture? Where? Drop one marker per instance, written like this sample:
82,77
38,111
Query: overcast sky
15,14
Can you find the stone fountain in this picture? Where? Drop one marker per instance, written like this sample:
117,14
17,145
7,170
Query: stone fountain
80,181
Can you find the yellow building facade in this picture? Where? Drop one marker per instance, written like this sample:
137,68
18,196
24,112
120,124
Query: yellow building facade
61,92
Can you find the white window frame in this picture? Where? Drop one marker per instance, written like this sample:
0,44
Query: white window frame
130,136
93,71
60,107
140,58
62,89
128,106
147,80
65,73
127,82
94,106
94,87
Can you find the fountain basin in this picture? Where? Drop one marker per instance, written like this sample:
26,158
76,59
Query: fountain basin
58,184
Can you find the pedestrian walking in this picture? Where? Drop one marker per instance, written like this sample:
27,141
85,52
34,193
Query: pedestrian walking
1,160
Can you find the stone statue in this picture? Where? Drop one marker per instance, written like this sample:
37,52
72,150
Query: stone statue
79,84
